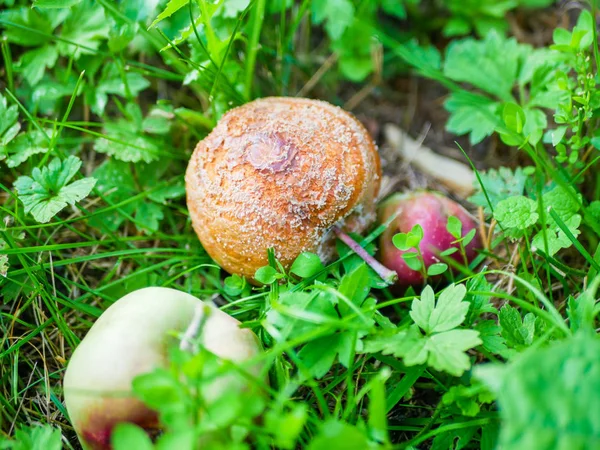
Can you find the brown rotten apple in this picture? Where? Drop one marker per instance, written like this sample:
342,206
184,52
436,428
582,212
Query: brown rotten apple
280,172
131,338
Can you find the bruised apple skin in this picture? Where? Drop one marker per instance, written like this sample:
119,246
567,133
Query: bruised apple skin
431,211
132,338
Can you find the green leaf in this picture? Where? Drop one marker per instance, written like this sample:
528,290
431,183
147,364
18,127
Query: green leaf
296,313
471,114
556,237
127,436
480,303
454,227
47,191
498,63
24,146
86,26
412,260
468,398
335,435
25,20
518,332
491,340
437,269
55,3
172,7
233,8
319,355
287,426
447,350
444,347
125,144
149,216
566,203
234,285
355,286
267,275
338,15
516,214
499,184
37,438
548,396
306,265
9,127
514,117
34,63
447,313
159,390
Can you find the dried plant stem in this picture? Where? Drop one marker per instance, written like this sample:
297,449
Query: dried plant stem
389,276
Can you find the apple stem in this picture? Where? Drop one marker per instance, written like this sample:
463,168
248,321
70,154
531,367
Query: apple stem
193,330
387,275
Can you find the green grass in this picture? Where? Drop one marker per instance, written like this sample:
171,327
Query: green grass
129,100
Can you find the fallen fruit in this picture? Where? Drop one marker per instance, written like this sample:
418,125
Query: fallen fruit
430,211
131,338
281,172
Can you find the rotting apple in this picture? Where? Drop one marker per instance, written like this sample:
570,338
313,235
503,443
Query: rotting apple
430,210
130,338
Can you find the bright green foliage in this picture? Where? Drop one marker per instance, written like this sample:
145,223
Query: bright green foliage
548,396
306,265
48,190
503,67
34,438
443,345
516,214
9,127
497,185
119,183
124,90
336,435
483,15
337,15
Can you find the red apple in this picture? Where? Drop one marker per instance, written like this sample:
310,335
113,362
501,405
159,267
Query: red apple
431,211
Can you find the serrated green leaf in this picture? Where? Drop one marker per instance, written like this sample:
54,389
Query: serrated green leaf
548,396
498,62
37,437
518,332
499,184
473,115
516,214
556,237
172,7
491,339
566,203
337,15
148,216
46,192
34,63
447,350
447,313
86,26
